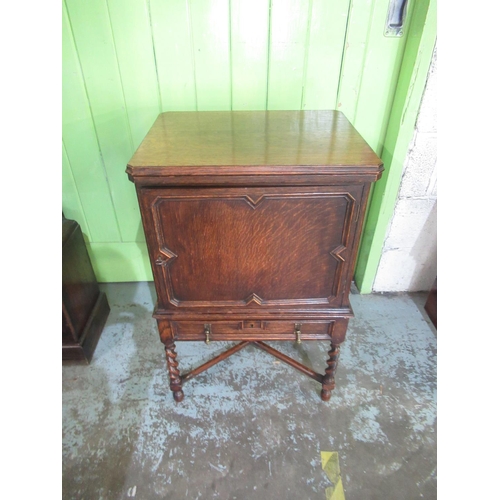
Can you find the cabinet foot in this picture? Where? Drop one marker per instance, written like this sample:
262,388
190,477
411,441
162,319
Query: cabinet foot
178,396
326,395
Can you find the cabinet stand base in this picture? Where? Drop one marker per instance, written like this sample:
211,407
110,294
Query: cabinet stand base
327,380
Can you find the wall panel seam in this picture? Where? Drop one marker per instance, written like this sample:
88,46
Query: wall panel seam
306,54
77,192
269,24
121,78
365,52
191,38
343,56
230,57
148,6
82,74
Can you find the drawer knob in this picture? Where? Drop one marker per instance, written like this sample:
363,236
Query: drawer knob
208,332
298,333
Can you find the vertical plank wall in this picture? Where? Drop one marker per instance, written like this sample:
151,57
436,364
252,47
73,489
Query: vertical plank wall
125,61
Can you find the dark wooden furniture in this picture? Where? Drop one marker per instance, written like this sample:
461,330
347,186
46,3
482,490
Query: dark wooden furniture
252,222
84,308
431,304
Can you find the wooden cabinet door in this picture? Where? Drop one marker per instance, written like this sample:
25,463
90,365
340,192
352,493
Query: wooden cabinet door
250,247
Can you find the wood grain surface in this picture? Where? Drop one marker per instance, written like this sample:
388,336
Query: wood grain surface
250,247
234,142
252,221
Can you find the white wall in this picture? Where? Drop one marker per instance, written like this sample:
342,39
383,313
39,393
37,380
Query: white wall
408,261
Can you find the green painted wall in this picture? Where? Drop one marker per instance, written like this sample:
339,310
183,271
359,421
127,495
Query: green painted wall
412,78
125,61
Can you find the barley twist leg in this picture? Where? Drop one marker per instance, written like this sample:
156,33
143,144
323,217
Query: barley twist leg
173,371
328,383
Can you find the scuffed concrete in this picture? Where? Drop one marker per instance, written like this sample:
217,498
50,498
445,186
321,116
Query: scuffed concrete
252,427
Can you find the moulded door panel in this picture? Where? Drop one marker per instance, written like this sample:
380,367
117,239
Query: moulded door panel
250,247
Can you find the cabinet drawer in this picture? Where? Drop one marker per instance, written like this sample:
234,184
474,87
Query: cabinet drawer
252,330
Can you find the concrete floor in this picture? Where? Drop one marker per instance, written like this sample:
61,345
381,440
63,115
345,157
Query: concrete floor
252,427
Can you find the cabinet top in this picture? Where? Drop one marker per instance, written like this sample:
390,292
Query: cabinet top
252,143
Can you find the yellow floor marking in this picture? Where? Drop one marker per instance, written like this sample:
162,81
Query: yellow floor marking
330,464
325,456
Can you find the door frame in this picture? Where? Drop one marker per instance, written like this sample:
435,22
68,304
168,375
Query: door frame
422,34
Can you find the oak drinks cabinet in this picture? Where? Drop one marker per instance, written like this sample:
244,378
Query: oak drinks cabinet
252,222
